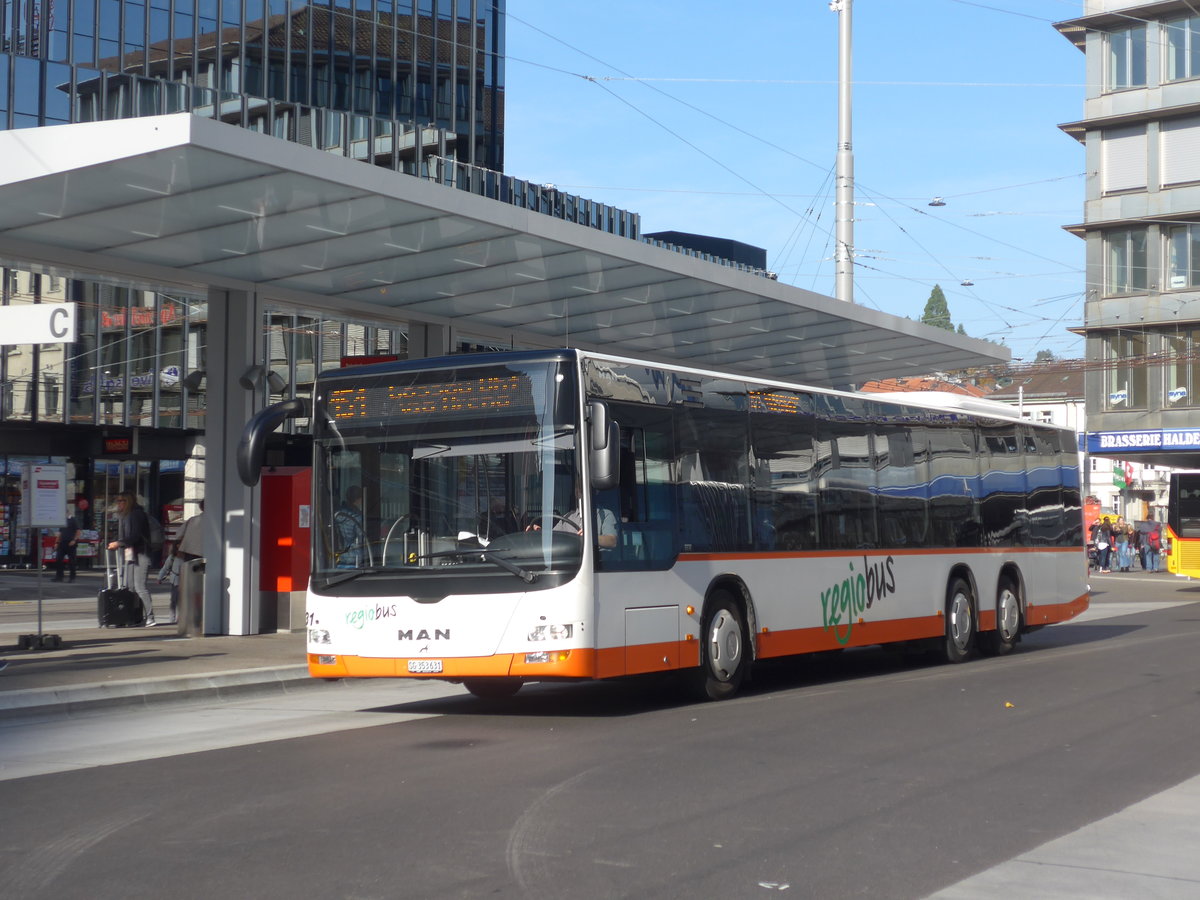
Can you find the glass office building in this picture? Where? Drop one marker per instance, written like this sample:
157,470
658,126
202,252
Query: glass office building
416,87
388,81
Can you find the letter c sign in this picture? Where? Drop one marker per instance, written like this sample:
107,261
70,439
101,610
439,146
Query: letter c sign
38,323
62,321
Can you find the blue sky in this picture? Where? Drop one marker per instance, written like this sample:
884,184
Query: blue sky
704,118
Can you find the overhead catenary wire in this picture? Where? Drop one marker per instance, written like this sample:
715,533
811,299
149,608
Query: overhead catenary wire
810,215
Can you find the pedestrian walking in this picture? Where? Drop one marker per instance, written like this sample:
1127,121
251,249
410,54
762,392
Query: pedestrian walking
64,552
1104,538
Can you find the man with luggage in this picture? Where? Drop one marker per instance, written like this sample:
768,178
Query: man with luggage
133,546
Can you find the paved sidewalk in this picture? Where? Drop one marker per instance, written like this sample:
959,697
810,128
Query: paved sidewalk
107,666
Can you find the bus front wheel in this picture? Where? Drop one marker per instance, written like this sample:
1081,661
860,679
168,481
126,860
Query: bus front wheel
724,650
493,688
960,621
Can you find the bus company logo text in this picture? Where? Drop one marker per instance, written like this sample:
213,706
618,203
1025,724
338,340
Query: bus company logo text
357,618
852,596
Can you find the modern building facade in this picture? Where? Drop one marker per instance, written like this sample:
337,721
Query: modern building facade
1141,228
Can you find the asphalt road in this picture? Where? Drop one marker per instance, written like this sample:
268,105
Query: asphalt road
854,775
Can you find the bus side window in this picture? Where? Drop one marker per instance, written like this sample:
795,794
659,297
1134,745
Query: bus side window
783,454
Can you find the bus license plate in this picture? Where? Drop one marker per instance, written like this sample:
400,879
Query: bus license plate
424,666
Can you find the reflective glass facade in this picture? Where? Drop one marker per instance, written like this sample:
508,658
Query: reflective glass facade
386,81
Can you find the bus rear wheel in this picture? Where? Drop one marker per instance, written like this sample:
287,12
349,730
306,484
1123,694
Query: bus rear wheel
492,688
959,641
1008,622
724,650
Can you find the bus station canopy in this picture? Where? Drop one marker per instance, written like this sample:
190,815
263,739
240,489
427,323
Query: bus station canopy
191,202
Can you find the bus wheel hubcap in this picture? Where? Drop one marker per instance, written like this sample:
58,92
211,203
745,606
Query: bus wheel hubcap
726,644
1010,615
960,621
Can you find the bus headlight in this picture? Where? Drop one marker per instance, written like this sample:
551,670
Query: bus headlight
547,656
318,636
551,633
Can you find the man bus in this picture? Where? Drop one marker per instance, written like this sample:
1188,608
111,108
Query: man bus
659,518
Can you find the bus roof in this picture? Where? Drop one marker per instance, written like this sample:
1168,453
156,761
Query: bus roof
941,401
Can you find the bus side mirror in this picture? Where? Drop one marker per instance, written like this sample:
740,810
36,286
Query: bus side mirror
604,447
252,448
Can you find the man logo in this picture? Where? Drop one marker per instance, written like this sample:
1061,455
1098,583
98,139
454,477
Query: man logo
438,634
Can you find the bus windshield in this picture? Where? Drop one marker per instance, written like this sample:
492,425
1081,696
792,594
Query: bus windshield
453,473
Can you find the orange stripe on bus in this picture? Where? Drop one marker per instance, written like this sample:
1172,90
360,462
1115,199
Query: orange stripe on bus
612,662
1051,613
861,634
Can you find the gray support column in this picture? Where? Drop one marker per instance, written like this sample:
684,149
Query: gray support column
231,595
426,339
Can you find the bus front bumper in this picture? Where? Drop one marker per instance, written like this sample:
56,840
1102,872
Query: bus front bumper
576,663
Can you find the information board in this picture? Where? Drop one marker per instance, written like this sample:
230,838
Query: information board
43,495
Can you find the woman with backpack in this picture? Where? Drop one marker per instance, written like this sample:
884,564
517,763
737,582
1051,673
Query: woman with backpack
1153,545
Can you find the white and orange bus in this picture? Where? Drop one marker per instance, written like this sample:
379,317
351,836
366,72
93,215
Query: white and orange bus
530,516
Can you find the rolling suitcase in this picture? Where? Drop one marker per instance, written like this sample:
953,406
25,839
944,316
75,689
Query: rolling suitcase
117,606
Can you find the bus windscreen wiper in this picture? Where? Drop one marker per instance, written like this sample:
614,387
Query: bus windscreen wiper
351,574
487,555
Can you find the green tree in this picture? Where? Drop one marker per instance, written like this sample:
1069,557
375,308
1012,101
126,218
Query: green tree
937,313
1044,356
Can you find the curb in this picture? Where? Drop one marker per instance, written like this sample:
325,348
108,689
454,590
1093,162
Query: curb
151,691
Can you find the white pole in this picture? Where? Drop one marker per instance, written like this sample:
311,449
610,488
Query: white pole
844,200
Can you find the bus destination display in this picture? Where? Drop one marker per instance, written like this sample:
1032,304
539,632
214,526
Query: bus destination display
386,402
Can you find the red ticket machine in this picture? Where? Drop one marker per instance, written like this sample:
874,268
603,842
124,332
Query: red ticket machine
284,549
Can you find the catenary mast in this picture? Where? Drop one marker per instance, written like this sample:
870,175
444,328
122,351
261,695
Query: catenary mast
844,198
